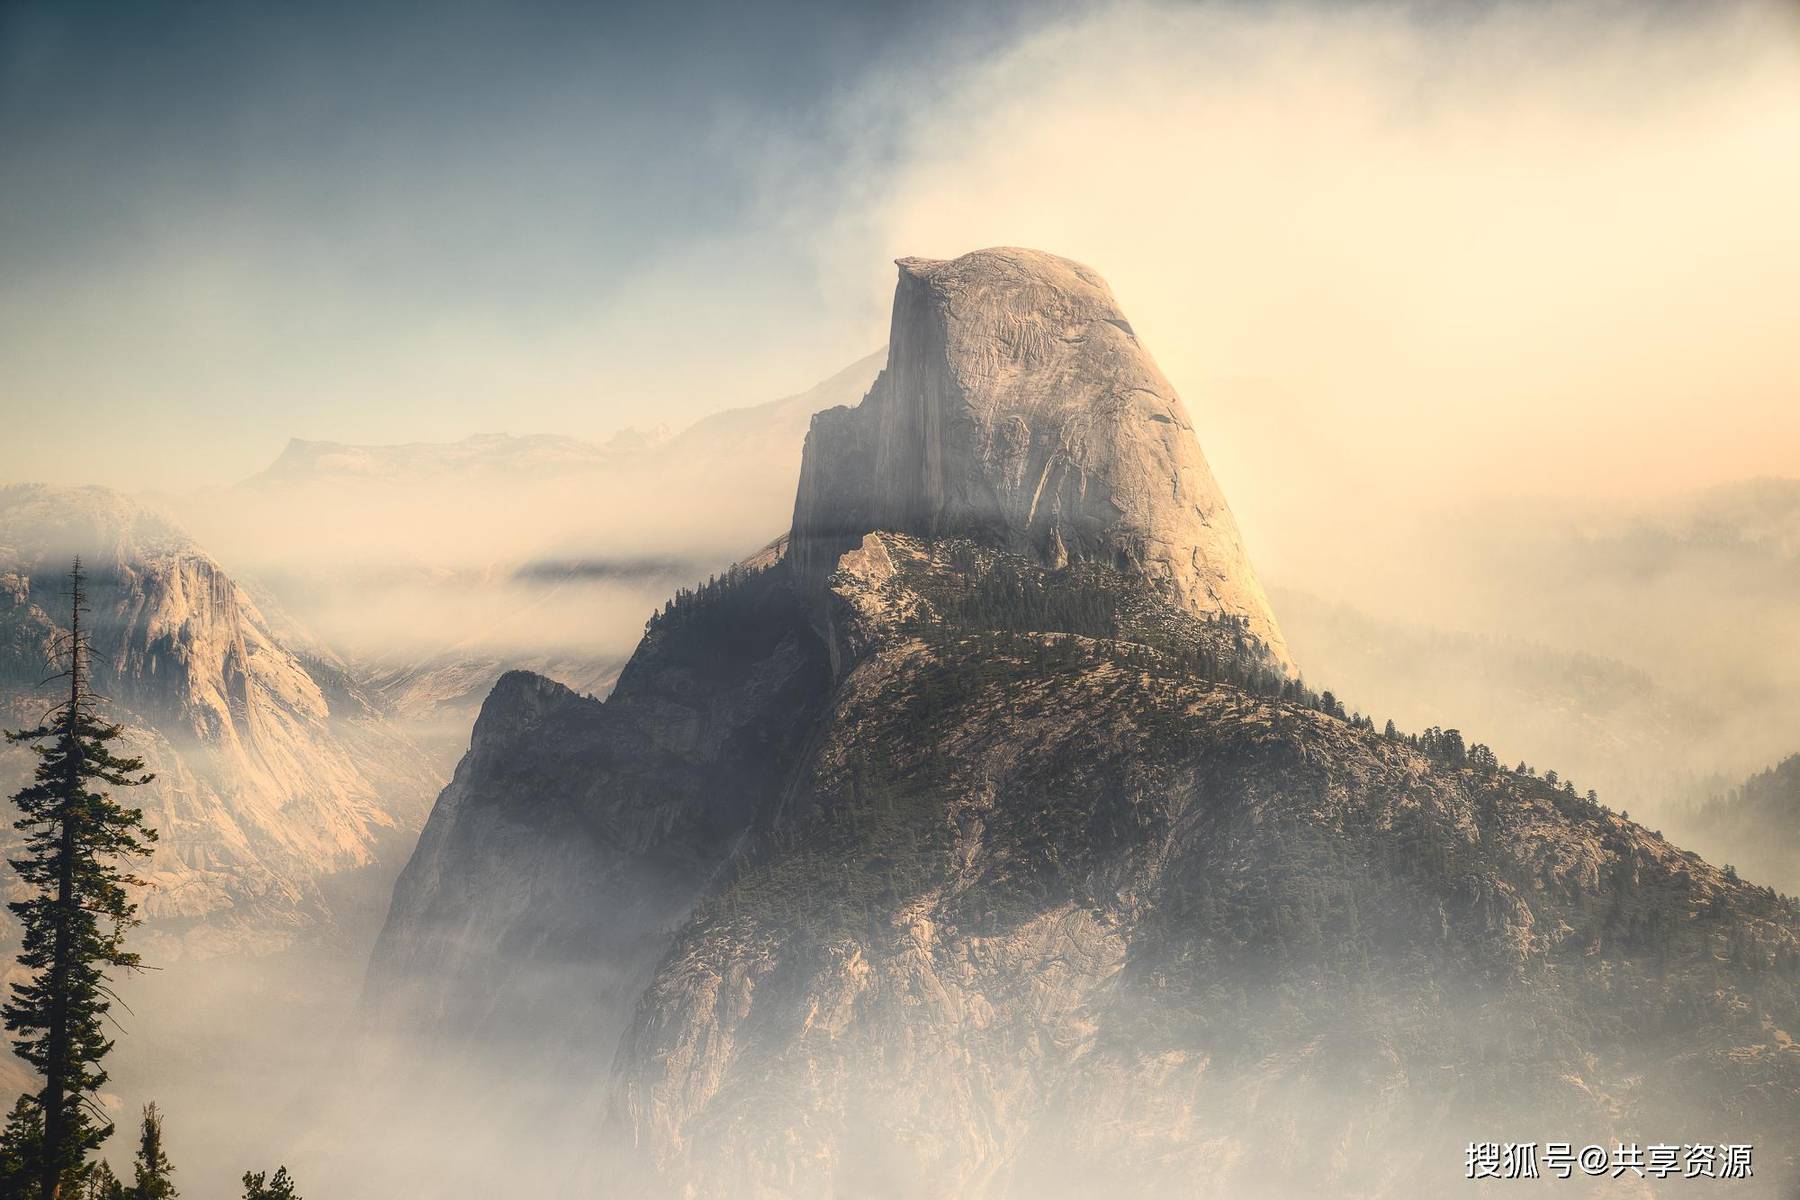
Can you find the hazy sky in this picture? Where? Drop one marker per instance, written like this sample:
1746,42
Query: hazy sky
225,224
1532,245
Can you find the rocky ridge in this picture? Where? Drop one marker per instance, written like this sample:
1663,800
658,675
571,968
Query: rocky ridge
567,807
986,843
274,770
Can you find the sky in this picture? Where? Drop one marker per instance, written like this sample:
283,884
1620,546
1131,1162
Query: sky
1397,251
229,224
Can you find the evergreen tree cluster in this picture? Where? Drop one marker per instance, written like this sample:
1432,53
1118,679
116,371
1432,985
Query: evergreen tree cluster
1758,824
980,592
1014,597
151,1173
713,600
724,624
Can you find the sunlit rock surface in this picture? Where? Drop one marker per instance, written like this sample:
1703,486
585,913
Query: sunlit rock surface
275,772
1019,408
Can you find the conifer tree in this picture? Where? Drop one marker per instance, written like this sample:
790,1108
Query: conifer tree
102,1184
75,913
258,1186
151,1174
21,1143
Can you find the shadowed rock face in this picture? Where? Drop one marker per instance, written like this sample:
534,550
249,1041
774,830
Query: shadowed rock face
1019,408
577,831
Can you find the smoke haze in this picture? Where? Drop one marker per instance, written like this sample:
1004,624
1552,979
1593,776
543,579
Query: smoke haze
1486,316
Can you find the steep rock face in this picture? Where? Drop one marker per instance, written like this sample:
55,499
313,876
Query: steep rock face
273,770
576,832
1054,915
437,934
1018,408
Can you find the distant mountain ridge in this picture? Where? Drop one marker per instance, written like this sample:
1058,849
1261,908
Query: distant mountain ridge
762,435
1605,723
275,769
436,567
303,461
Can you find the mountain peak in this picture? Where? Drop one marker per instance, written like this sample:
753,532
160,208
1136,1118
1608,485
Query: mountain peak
304,461
43,525
1001,263
1019,408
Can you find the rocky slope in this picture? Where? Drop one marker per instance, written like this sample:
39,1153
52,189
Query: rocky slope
980,846
1607,724
972,359
274,770
576,831
1050,913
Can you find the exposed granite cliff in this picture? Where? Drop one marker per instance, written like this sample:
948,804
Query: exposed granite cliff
274,772
1018,408
576,832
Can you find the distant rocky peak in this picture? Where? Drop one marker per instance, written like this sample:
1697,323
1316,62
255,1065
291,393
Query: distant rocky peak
1018,408
303,462
173,637
632,440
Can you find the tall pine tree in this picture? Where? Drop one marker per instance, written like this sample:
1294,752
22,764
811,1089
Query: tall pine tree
76,912
151,1174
